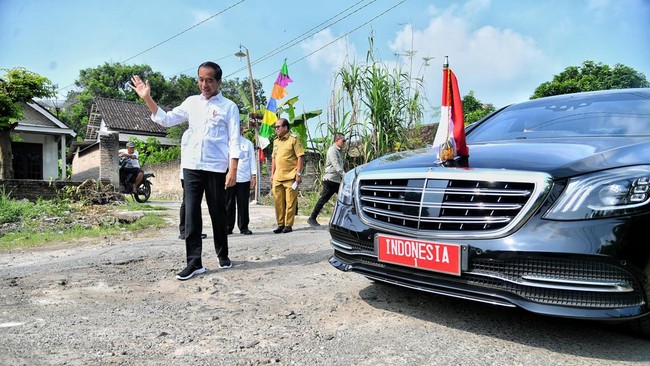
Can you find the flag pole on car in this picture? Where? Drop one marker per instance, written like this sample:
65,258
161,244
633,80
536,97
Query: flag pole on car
450,136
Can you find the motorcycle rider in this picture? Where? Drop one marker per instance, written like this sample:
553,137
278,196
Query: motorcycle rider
132,165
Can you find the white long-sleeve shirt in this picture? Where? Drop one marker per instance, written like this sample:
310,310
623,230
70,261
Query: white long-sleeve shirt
183,146
213,132
247,166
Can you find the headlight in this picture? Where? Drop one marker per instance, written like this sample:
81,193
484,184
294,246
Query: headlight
346,191
615,192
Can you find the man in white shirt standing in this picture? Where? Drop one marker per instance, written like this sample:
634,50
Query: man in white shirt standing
239,195
210,161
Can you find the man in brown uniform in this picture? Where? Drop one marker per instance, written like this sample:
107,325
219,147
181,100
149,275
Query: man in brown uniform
286,165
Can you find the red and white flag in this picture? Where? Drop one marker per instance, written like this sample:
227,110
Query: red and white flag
451,129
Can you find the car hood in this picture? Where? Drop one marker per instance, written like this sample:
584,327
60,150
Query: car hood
559,157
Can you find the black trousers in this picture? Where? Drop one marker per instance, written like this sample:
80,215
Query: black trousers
238,195
329,188
196,183
181,223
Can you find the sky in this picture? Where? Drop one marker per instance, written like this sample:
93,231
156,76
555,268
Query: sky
499,49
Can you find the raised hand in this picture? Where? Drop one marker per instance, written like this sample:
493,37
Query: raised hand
143,89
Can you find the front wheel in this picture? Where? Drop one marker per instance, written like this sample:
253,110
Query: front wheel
143,193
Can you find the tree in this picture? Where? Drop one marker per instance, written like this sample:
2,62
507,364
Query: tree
591,76
108,81
474,109
177,89
17,85
111,81
239,91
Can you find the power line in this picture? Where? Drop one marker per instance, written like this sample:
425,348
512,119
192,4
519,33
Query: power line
304,35
174,36
286,45
181,32
344,35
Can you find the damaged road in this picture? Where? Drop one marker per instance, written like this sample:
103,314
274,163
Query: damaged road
117,301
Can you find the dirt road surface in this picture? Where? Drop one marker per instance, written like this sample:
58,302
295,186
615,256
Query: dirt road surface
116,301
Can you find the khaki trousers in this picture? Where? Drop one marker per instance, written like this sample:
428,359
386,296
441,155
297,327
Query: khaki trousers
286,200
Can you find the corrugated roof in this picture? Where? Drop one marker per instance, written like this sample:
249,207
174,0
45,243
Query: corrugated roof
126,116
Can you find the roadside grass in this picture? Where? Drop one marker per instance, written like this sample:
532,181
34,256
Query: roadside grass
45,222
306,202
32,238
27,224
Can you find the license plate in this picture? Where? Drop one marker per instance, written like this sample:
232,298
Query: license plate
421,254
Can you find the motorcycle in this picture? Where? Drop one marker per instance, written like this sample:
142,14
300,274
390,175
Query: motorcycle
143,192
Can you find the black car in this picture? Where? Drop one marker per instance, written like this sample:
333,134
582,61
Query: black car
550,212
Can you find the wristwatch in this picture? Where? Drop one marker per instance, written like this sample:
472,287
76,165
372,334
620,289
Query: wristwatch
298,174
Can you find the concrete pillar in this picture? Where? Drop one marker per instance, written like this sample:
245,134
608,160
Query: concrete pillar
109,147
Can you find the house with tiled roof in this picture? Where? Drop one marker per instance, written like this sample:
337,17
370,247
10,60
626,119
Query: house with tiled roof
129,119
40,141
111,124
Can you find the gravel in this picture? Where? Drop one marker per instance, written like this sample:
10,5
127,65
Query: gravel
116,301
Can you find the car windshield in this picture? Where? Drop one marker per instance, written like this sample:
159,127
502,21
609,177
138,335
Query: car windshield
607,114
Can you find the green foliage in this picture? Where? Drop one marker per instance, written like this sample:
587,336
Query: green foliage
151,151
377,107
474,109
591,76
20,85
110,80
176,132
176,90
298,123
308,199
231,89
24,210
14,211
32,235
60,214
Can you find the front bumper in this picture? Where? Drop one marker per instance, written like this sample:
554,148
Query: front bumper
567,277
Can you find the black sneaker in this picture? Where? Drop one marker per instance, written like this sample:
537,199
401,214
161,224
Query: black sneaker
225,263
312,222
189,272
287,229
246,232
278,230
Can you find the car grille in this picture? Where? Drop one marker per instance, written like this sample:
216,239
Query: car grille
510,275
452,205
489,275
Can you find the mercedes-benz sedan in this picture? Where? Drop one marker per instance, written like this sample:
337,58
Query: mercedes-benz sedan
550,212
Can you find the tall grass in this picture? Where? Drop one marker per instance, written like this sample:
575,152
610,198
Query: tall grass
379,108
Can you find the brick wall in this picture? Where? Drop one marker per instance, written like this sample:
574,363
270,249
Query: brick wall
84,164
98,161
33,189
167,182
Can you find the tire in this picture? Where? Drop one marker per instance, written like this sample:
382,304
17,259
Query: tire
639,326
143,193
